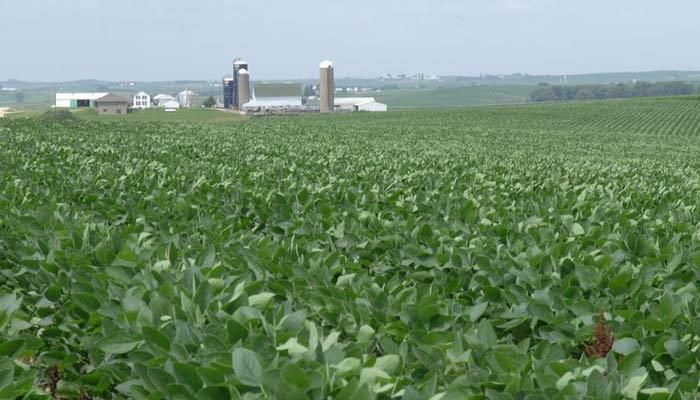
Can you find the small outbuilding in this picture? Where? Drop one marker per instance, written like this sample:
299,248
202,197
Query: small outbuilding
112,105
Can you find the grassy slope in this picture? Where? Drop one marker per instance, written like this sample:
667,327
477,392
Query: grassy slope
454,97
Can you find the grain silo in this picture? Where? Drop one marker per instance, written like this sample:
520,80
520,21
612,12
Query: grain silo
243,87
327,87
228,92
238,65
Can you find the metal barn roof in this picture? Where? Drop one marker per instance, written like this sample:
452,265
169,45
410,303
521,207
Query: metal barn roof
111,98
79,96
277,89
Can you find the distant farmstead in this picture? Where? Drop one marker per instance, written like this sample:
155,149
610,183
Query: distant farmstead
291,97
112,105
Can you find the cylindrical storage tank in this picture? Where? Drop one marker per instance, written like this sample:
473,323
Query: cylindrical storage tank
228,92
327,87
238,65
243,87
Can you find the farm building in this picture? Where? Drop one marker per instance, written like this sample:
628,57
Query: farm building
141,100
77,100
359,104
186,98
160,99
267,97
112,105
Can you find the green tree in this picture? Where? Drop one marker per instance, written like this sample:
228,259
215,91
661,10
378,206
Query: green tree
210,102
585,94
308,91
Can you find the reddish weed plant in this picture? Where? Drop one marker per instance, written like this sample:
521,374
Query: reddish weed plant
603,339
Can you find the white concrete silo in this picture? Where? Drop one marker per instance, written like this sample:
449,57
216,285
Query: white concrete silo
327,86
243,87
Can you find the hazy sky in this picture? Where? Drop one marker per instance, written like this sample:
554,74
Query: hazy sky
53,40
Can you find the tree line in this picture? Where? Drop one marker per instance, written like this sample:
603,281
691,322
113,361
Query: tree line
548,92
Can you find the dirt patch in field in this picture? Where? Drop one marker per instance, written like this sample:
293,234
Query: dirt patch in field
3,111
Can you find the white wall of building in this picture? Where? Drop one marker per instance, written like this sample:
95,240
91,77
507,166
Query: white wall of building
64,100
359,104
141,100
62,103
372,106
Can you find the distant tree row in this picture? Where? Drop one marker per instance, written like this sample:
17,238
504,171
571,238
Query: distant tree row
612,91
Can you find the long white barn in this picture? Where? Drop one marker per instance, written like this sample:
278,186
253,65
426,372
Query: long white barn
359,104
77,100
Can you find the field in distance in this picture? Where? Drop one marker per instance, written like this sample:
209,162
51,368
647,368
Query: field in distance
534,251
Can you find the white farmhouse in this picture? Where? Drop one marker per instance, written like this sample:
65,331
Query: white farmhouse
141,100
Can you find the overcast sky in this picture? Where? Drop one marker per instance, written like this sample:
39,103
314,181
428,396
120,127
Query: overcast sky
52,40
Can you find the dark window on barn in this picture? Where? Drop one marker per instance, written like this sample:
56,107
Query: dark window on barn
83,103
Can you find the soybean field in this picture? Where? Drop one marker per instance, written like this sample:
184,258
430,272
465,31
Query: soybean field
547,251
